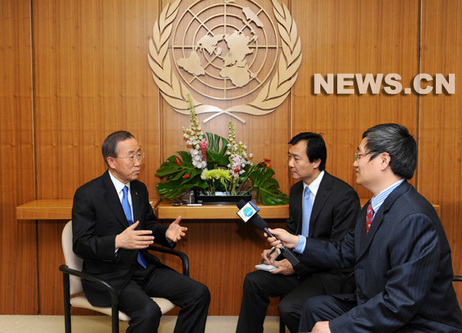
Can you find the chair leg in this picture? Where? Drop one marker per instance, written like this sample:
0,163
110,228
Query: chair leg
67,319
67,304
115,318
115,324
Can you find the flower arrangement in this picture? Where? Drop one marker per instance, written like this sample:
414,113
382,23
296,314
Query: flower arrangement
215,164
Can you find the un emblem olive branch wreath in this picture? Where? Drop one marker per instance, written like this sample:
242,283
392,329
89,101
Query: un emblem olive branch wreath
271,95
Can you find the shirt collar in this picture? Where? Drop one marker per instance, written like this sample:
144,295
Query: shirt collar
314,186
118,184
378,200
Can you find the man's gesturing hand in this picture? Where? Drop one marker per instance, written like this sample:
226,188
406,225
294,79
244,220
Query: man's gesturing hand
175,231
134,239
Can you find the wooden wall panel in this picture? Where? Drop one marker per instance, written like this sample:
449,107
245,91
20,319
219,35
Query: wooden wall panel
354,37
76,71
440,146
92,78
18,256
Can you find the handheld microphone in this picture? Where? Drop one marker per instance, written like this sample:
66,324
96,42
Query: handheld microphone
248,211
255,219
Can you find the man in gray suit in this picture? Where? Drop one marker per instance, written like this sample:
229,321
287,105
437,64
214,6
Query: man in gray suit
334,207
399,251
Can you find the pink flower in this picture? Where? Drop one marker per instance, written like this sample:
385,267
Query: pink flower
177,161
203,144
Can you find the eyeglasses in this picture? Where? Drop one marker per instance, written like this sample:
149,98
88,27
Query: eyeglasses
359,155
139,157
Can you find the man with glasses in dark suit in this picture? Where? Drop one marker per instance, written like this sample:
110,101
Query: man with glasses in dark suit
399,251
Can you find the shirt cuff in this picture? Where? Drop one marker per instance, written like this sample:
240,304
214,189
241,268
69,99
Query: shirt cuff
300,248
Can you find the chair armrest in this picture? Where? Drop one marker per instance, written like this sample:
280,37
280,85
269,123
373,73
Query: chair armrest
184,258
69,271
457,278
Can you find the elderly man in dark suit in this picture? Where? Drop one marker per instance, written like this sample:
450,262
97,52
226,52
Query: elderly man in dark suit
399,251
330,212
113,224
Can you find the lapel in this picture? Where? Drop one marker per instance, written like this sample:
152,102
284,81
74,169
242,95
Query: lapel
366,240
135,201
361,226
298,195
321,198
112,199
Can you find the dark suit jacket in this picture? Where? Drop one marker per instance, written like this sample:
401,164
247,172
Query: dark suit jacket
97,217
403,269
334,212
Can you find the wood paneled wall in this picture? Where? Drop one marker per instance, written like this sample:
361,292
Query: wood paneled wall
73,72
440,122
18,249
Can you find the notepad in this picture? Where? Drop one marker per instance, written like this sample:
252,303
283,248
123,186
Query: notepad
265,267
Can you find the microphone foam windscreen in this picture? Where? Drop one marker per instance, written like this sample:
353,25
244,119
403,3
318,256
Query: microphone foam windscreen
241,204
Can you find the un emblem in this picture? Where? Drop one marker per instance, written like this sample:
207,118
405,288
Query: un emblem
230,52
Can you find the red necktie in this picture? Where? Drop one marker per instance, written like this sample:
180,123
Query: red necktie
369,214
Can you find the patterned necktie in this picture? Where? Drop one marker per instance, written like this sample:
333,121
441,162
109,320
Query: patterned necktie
128,215
369,215
306,211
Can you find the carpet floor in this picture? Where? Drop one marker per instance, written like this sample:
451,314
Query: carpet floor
101,324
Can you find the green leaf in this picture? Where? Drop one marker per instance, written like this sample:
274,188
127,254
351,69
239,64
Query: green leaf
176,185
267,188
216,151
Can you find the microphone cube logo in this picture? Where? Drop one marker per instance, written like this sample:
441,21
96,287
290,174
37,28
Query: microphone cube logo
249,210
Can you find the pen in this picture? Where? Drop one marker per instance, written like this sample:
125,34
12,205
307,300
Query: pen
268,255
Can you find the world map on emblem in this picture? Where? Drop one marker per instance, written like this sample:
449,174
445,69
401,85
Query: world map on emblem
226,55
235,65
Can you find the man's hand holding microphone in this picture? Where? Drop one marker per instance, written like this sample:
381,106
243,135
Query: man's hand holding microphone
282,238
